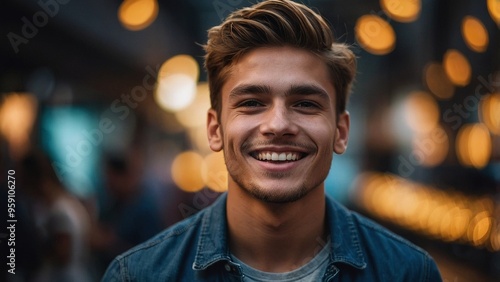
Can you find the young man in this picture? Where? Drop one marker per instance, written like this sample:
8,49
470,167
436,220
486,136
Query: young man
278,85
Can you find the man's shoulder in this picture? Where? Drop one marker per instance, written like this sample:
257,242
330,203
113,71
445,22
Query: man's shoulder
381,250
381,236
161,255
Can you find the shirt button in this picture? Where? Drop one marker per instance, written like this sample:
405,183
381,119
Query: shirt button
227,267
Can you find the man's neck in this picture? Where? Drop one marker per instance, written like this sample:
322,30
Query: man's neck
276,237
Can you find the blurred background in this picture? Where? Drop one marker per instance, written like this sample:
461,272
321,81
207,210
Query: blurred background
102,125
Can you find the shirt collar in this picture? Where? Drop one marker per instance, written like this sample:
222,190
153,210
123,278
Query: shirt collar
345,243
213,242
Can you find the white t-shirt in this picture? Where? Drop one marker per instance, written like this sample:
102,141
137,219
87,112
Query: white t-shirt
311,271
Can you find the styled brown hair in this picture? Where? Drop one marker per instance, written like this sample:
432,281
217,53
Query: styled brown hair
276,23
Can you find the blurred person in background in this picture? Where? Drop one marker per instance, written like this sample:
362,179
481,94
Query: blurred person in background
279,85
130,214
62,223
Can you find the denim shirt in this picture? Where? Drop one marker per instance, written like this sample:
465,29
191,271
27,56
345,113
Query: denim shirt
196,249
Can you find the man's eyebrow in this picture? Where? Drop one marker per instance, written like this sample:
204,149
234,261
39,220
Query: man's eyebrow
298,89
307,89
250,89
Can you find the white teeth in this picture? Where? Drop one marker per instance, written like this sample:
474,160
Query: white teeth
274,156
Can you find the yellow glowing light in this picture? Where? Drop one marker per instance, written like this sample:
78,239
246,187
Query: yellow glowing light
375,35
195,114
137,14
457,67
186,171
475,34
402,10
421,112
474,145
448,216
494,10
198,137
489,112
175,92
479,228
180,64
176,88
437,81
17,116
214,172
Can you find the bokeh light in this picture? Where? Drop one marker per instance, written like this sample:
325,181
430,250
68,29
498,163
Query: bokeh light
421,112
195,114
375,35
489,112
176,86
180,64
475,34
450,216
437,81
474,145
494,10
431,148
457,67
17,116
137,14
175,92
402,10
186,171
214,171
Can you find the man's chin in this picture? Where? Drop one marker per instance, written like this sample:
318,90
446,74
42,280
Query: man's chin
278,197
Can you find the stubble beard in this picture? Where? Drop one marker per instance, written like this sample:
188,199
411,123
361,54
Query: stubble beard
274,195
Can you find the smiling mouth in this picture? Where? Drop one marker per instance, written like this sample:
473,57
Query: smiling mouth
277,156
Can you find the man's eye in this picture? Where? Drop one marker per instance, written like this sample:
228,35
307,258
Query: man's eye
306,104
250,104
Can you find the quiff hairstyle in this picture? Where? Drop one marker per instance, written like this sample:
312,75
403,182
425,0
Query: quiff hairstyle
276,23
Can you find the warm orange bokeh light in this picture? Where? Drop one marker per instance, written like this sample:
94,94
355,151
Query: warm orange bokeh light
186,171
474,145
494,10
17,116
457,67
402,10
375,35
421,112
437,81
137,14
446,215
475,34
214,171
489,112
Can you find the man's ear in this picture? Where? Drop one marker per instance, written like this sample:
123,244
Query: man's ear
214,131
342,133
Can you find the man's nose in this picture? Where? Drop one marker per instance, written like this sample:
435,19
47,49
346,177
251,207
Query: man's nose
279,121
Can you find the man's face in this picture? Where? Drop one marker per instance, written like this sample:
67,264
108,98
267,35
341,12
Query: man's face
278,126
